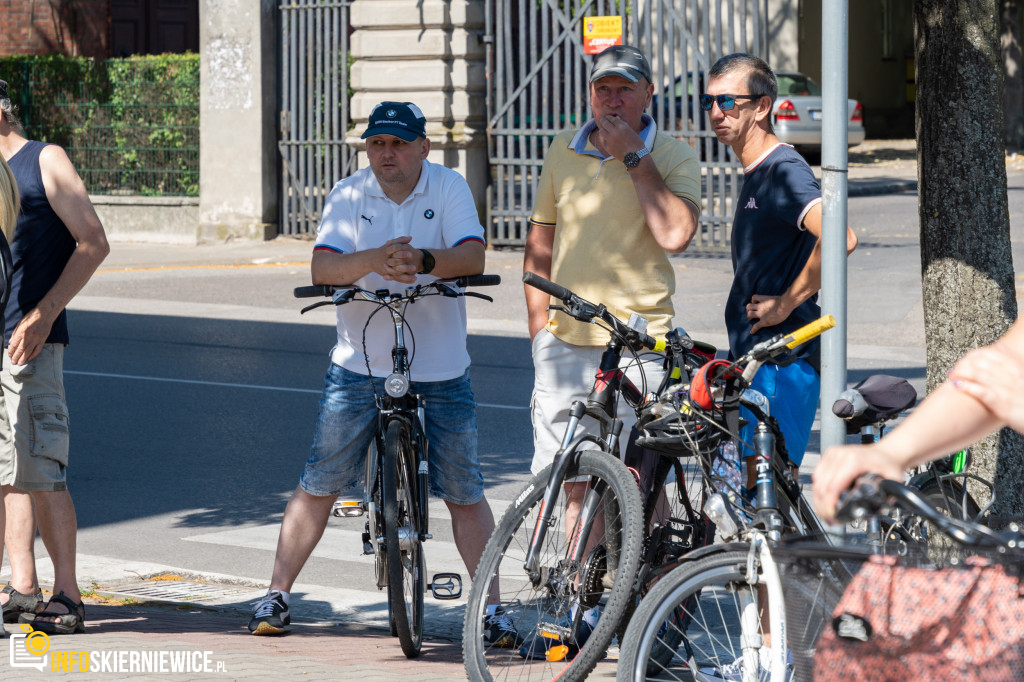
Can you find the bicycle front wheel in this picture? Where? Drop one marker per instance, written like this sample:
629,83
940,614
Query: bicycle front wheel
553,632
405,564
706,611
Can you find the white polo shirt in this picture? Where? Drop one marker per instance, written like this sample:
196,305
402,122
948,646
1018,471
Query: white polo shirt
439,214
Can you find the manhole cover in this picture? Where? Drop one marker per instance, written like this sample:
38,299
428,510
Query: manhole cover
178,591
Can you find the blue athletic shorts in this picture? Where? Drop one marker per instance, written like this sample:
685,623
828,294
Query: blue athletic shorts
345,428
792,393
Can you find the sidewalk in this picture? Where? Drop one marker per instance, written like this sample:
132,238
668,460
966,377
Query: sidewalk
323,648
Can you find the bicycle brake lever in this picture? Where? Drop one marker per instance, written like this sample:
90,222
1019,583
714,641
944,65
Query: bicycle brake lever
315,305
447,290
478,295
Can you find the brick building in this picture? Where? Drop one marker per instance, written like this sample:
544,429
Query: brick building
99,28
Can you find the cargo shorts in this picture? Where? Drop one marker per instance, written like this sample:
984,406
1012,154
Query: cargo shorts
34,437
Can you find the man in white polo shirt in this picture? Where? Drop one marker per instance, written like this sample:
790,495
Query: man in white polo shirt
400,221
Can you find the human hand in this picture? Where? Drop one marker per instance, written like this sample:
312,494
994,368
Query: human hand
766,311
28,337
841,466
396,261
993,375
617,137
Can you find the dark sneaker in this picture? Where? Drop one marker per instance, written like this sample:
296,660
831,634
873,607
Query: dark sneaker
537,646
500,632
270,617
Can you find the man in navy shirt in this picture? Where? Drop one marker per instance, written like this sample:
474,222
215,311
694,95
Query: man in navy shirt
776,242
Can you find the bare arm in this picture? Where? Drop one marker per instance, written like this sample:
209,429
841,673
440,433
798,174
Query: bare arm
948,420
67,196
772,310
537,259
396,260
671,220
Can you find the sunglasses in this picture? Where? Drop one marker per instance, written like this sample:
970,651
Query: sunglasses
725,102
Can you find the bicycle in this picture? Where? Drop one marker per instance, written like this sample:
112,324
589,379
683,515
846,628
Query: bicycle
907,617
867,407
396,481
551,576
714,601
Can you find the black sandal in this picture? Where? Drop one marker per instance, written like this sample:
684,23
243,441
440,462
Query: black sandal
19,603
69,623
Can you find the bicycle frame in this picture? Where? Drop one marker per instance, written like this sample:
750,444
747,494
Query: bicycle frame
601,406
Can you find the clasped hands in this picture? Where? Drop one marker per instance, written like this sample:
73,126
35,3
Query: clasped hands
398,261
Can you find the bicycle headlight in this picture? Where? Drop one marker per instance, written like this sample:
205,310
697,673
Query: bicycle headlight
396,385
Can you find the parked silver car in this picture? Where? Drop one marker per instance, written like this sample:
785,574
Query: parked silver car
798,113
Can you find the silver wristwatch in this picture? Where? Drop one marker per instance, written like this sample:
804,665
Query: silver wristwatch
632,159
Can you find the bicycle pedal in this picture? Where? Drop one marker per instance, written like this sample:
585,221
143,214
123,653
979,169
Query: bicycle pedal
347,508
554,631
446,586
367,547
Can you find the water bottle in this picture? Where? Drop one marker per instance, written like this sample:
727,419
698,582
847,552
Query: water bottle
727,469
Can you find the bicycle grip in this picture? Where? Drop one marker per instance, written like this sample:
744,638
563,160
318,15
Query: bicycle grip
809,331
479,281
314,291
547,286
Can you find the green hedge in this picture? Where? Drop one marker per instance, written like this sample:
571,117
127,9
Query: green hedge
131,126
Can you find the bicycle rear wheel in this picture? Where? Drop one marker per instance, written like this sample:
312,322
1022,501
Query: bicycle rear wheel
674,524
565,589
704,611
405,564
951,499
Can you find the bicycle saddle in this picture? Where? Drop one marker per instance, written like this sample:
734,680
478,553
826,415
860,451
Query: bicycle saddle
875,399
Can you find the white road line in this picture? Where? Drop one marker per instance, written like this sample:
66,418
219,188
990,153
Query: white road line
257,387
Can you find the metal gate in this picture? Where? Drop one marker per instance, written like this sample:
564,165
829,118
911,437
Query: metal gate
538,87
314,109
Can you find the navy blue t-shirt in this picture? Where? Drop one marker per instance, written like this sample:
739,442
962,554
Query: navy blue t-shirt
41,247
770,249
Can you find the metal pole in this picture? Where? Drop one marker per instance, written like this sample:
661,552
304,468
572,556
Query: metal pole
834,71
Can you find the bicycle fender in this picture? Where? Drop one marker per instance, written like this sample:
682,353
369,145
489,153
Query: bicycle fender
708,550
919,480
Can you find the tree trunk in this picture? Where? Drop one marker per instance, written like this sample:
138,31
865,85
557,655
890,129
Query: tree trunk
966,262
1013,83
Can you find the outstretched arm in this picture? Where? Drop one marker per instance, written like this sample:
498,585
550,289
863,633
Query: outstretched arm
949,419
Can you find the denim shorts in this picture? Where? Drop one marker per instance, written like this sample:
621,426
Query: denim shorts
792,392
345,429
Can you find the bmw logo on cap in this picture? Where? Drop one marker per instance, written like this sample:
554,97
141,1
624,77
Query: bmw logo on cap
391,113
428,214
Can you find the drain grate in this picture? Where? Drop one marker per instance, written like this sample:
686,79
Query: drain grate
180,591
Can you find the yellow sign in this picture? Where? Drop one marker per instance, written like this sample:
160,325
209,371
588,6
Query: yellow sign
600,33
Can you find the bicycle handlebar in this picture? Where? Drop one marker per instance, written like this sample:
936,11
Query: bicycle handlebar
318,290
871,493
547,286
585,311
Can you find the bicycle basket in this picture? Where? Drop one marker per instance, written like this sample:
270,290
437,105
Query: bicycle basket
855,616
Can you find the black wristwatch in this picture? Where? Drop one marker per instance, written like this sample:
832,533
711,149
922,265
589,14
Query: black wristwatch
632,159
428,262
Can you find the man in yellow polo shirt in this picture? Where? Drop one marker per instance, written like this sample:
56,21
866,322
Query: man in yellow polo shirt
614,197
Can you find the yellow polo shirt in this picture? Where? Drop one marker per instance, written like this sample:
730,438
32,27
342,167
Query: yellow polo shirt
603,250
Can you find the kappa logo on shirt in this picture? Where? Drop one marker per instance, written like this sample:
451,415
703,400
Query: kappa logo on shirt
751,203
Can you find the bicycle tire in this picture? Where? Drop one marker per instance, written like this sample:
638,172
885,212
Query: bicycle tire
406,580
702,601
528,605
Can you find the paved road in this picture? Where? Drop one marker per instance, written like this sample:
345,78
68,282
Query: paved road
193,384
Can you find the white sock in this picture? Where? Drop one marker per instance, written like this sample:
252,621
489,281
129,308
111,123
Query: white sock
490,609
284,595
